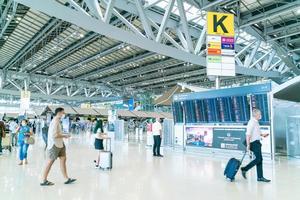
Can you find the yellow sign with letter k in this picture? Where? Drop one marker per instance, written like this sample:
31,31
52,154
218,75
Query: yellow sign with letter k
220,24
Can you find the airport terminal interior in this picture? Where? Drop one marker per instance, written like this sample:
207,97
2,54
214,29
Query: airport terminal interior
149,99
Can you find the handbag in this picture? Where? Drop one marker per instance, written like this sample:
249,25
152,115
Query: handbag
29,140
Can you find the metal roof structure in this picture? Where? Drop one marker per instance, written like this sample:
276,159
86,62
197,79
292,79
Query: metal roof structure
88,50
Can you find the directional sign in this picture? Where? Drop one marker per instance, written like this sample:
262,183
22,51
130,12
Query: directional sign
220,44
220,24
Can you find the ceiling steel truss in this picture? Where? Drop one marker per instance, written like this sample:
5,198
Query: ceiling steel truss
190,37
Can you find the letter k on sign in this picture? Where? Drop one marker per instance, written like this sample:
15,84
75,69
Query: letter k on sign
220,24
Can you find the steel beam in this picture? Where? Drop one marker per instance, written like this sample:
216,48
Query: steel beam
89,59
57,90
259,59
144,19
200,41
94,8
164,20
143,69
39,88
43,79
167,36
60,11
109,10
184,22
268,61
53,24
3,25
283,29
248,20
70,49
15,84
252,55
167,78
61,97
127,23
114,66
244,49
257,72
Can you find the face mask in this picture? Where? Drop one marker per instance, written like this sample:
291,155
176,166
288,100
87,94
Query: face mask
63,116
23,124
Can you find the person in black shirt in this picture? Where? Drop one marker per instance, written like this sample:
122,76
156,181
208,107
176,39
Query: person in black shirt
98,130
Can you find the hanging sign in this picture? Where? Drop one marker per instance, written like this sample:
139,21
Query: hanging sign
24,101
220,44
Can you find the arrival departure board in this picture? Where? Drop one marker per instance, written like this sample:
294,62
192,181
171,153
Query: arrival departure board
227,106
235,109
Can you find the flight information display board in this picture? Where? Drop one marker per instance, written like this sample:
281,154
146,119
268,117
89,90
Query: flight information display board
217,110
209,107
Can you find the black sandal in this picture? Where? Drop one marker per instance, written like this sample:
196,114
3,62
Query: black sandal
70,180
46,183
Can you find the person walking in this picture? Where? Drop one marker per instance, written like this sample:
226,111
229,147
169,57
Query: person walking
98,130
157,136
56,148
2,134
13,128
24,131
253,138
45,134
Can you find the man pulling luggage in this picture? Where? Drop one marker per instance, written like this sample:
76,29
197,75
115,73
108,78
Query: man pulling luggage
253,138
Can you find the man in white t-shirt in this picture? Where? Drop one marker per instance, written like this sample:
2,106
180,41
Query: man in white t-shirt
253,138
157,135
13,128
56,148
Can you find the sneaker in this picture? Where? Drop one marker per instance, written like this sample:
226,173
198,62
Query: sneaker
70,180
160,156
263,180
46,183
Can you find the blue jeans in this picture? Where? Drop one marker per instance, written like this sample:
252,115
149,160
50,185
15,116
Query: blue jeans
23,150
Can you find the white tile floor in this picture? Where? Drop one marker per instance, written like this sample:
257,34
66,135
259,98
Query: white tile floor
138,176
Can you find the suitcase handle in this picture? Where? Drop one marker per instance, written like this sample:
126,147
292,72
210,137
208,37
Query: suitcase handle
106,141
245,153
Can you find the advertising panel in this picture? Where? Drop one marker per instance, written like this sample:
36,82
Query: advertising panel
199,136
229,138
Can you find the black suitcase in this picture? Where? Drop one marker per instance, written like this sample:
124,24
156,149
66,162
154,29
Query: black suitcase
233,167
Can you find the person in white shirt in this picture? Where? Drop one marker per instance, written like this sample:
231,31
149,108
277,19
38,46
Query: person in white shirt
157,135
13,128
253,138
56,148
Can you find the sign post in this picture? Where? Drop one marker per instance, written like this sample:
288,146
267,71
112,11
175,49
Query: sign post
24,101
220,45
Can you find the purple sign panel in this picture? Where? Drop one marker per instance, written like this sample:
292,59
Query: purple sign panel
228,40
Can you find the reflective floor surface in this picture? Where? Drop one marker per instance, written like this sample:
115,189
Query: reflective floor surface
136,175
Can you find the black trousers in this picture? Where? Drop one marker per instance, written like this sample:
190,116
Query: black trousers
255,147
156,146
0,144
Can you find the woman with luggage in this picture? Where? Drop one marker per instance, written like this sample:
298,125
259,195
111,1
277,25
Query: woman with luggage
98,130
24,132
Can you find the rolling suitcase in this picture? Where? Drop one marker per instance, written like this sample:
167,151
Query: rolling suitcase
233,167
6,142
106,156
